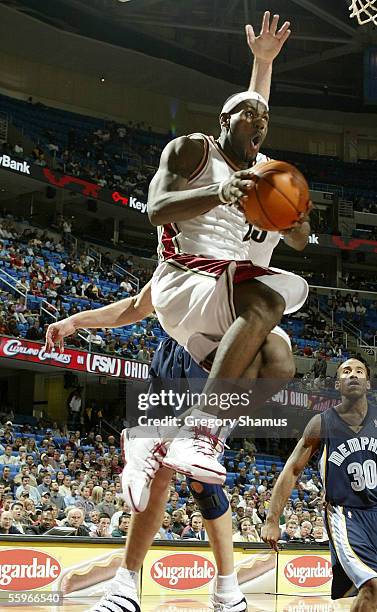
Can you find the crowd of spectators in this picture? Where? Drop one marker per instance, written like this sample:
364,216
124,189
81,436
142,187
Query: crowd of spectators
70,483
68,282
125,156
46,267
98,155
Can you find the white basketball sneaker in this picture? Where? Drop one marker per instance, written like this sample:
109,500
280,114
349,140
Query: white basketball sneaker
196,449
120,596
239,604
143,458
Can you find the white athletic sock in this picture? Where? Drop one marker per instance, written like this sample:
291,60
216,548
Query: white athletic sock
127,577
227,587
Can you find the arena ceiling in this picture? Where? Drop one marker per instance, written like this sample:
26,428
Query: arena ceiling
323,60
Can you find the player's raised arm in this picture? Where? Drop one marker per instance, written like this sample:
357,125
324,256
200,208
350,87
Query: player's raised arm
305,449
170,201
124,312
265,48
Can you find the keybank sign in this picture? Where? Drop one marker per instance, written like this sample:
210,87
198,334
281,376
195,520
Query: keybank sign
130,202
12,164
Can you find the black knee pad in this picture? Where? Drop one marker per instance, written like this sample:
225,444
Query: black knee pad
210,498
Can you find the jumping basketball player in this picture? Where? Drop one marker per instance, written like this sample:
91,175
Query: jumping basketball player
212,288
171,360
346,438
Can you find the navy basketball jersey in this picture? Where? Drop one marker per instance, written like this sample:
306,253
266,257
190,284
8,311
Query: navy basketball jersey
348,460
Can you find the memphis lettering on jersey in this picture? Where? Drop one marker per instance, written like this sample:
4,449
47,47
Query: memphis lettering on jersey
354,445
20,166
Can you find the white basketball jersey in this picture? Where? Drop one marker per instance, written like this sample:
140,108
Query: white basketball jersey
223,232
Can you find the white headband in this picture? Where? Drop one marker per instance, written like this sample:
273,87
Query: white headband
241,97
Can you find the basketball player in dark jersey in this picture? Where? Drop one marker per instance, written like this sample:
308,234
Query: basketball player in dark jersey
346,438
171,362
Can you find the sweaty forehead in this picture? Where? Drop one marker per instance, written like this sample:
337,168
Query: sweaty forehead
352,363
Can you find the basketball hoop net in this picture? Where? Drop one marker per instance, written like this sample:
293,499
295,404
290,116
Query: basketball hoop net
364,11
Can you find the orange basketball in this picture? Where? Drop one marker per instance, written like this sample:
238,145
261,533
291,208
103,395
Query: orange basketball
279,196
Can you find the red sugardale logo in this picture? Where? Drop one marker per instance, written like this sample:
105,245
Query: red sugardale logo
308,571
182,571
25,569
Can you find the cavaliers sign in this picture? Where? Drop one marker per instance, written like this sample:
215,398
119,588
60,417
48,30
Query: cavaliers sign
72,359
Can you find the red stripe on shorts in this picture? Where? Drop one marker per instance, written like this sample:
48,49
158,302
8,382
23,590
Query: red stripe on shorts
245,269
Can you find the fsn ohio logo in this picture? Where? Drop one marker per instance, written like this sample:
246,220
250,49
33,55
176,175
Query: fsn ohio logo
182,571
308,571
24,569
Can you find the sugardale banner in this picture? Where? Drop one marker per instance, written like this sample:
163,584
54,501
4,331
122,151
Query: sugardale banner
73,359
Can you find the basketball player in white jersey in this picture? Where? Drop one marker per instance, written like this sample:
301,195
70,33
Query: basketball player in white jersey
213,288
122,595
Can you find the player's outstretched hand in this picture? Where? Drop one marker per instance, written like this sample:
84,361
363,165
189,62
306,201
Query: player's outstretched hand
56,332
237,186
271,534
270,41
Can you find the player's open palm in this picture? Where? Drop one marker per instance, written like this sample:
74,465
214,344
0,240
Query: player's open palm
56,332
268,44
271,534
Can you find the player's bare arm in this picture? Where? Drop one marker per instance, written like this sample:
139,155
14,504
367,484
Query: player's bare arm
124,312
170,201
305,449
265,48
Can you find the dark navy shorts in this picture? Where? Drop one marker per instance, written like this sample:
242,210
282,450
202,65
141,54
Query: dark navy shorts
173,369
353,545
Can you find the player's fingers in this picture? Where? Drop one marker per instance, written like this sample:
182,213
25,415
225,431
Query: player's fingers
242,183
274,24
265,23
283,29
243,174
61,345
49,343
250,35
237,193
285,37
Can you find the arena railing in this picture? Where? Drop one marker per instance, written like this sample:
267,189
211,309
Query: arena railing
13,284
134,281
54,316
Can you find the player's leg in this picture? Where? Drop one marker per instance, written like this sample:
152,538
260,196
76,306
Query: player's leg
145,525
122,592
366,601
273,368
214,506
194,451
353,541
259,309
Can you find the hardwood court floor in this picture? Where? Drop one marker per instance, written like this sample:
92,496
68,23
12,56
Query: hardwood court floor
256,603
